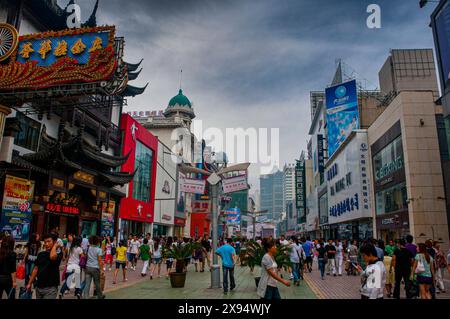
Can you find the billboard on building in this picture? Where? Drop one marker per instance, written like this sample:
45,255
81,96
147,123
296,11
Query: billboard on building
16,207
234,184
348,181
300,189
440,22
342,113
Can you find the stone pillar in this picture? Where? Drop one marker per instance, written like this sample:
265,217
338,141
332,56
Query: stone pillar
4,112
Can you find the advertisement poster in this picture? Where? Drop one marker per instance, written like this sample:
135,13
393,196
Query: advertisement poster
16,207
233,216
108,211
342,113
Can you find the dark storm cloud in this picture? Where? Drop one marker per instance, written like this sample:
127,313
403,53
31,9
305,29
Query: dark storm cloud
252,63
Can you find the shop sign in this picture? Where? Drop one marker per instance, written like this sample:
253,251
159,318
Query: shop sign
389,168
348,182
179,222
62,209
84,177
199,206
300,185
320,156
89,215
166,217
16,207
195,186
234,184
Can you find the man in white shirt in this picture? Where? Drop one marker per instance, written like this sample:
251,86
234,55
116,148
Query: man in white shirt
134,250
283,241
374,276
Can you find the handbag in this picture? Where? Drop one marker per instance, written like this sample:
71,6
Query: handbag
420,269
83,260
25,294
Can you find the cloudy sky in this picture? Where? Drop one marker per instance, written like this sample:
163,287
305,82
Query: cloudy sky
252,63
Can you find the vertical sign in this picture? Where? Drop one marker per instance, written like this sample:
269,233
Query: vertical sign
320,157
16,208
364,157
342,113
300,190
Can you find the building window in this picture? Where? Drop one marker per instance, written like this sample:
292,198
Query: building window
28,137
143,176
388,160
392,199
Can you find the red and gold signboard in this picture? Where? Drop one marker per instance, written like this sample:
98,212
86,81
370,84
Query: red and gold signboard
69,56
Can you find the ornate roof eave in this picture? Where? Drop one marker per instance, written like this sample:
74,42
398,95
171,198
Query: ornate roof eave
102,158
118,178
21,162
133,67
133,75
132,91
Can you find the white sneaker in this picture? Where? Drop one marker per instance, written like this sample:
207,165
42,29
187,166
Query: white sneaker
104,269
291,276
109,269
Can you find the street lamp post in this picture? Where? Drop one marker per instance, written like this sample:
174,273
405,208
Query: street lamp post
215,180
254,215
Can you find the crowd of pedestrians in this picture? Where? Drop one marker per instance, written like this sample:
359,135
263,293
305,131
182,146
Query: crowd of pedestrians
54,266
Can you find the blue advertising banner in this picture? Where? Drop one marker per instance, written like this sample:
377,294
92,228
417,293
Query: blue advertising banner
233,216
16,207
342,113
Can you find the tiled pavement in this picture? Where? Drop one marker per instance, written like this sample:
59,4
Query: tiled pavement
347,287
197,287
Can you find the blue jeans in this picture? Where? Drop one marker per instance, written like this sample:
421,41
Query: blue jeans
227,270
321,267
272,293
296,271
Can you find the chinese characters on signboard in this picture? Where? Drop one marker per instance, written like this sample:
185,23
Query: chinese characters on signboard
16,208
195,186
234,184
320,156
300,189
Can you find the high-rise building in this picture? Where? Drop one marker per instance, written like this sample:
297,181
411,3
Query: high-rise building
289,196
271,187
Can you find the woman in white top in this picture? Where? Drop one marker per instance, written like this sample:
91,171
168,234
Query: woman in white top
267,287
73,270
156,258
339,256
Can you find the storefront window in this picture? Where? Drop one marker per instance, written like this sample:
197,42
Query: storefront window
142,178
28,137
392,199
388,160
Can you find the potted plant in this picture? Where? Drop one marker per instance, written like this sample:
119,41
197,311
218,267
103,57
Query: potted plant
180,253
282,256
253,259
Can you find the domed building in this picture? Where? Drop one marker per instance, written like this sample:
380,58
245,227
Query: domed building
173,129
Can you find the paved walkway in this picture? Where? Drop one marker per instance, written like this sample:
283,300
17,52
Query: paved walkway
347,287
197,287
